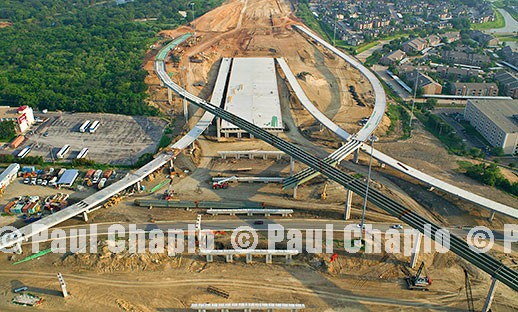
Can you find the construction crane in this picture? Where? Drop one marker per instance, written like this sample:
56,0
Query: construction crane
417,282
469,294
324,192
223,184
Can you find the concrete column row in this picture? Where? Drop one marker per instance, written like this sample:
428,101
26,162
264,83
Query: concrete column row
249,258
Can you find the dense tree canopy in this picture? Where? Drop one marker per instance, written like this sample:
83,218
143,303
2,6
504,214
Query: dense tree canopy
82,55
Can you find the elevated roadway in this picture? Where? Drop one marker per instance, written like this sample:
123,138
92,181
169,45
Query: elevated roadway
344,151
481,260
380,102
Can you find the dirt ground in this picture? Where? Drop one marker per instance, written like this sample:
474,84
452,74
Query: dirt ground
353,282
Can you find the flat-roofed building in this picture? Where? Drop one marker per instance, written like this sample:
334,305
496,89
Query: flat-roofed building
496,120
22,117
252,94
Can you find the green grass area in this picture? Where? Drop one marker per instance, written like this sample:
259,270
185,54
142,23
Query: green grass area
310,20
498,23
365,46
506,38
398,113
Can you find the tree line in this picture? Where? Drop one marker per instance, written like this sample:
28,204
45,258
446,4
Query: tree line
84,55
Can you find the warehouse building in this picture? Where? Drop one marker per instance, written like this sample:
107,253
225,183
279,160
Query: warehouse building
252,94
496,120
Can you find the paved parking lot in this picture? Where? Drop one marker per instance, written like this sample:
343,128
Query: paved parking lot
118,140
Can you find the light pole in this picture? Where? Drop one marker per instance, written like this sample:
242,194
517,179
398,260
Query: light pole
372,139
193,26
185,111
413,100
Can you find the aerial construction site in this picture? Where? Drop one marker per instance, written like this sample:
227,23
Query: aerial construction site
273,126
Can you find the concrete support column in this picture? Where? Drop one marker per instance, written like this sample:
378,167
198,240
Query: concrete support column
170,96
251,156
490,296
249,258
251,136
18,248
239,135
268,258
492,216
202,310
266,214
229,258
226,134
348,204
278,156
292,166
85,216
218,128
171,164
247,310
355,156
237,156
295,192
186,114
138,186
210,258
288,259
415,252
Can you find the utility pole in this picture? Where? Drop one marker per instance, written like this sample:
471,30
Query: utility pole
193,26
413,100
372,139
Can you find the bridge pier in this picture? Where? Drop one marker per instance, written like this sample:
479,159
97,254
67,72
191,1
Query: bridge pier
415,252
288,259
295,192
268,258
218,128
170,96
138,187
210,258
229,258
85,216
490,296
348,204
248,258
355,156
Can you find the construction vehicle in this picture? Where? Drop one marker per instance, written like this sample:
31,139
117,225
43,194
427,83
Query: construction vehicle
417,282
223,184
324,192
169,193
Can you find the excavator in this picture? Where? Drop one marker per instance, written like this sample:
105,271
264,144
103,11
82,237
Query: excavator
324,192
417,282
